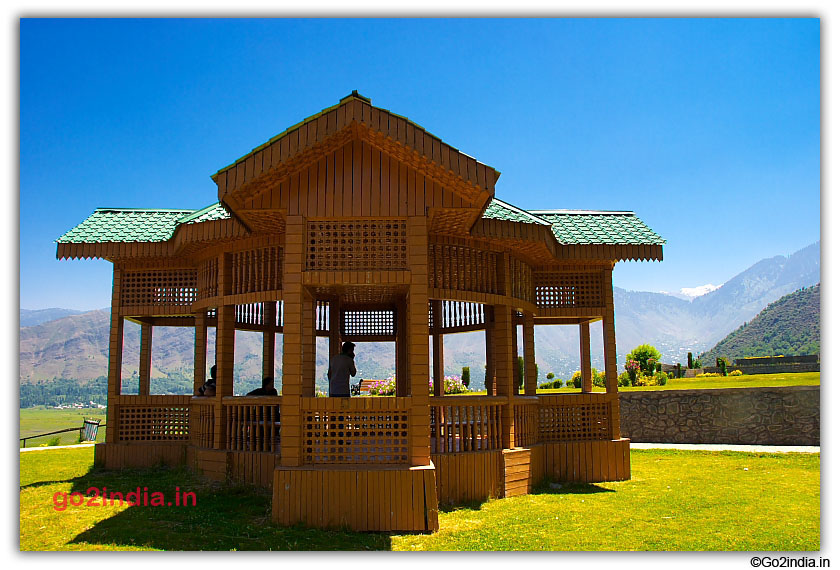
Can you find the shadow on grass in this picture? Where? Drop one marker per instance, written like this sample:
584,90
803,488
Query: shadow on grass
549,488
223,517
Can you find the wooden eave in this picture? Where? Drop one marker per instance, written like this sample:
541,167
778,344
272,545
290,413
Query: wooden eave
329,130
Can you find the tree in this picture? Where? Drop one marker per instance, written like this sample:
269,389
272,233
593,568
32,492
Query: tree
465,376
647,356
520,372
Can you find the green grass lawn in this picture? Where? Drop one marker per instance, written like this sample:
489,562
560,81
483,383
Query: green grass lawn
676,500
745,381
41,420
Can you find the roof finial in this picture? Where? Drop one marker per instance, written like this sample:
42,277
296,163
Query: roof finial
356,95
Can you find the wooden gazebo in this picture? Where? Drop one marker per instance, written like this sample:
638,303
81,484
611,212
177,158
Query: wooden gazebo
357,224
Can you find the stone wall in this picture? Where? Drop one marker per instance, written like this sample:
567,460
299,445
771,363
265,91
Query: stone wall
758,416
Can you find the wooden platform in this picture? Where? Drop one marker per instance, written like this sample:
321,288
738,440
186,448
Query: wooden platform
358,498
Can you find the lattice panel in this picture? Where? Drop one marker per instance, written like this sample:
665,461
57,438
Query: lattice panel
203,421
525,420
249,314
176,287
469,427
257,270
368,323
458,314
322,316
253,427
558,290
463,268
351,436
574,422
208,278
359,245
154,423
521,280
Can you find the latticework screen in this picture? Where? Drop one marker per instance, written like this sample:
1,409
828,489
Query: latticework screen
574,422
257,270
468,427
154,423
173,287
557,290
521,280
208,278
458,314
355,436
463,268
368,323
525,424
357,245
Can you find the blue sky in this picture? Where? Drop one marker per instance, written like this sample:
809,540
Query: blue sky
708,129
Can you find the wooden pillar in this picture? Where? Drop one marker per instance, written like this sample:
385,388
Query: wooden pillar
307,345
514,339
145,359
401,349
115,349
530,355
585,360
290,435
200,352
502,333
335,327
610,367
269,338
489,352
225,338
437,346
418,340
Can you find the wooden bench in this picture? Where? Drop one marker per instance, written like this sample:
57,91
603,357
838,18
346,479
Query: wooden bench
362,386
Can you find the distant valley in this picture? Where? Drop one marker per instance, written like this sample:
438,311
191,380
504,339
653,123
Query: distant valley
60,343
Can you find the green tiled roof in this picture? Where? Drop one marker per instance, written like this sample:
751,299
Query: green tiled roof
498,210
598,227
125,225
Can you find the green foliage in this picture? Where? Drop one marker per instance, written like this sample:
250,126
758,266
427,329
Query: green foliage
520,372
736,373
549,376
53,441
546,385
647,356
690,361
624,379
599,378
789,326
557,383
465,376
660,378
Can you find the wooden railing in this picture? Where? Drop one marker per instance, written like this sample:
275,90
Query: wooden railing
153,418
465,423
575,417
252,422
355,430
525,420
202,421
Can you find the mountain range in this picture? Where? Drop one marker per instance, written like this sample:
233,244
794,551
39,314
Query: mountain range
789,326
61,343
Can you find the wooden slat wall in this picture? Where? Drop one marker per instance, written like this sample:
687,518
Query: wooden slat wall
588,461
464,477
357,181
361,500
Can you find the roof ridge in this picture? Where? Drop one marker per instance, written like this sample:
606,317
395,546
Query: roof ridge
562,211
158,210
519,210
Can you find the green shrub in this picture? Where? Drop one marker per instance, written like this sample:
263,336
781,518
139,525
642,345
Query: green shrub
557,384
53,441
661,378
520,372
599,378
736,373
465,376
647,356
546,385
624,379
549,376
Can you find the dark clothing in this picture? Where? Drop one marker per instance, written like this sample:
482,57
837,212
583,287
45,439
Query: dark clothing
262,392
342,367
